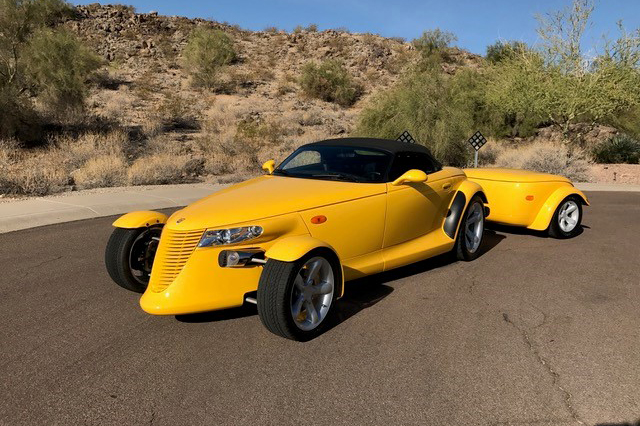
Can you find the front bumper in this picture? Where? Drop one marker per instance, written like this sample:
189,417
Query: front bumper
202,285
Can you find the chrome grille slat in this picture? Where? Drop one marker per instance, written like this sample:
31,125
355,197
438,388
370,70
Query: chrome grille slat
174,251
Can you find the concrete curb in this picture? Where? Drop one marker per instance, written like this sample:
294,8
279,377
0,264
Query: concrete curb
608,187
16,215
29,213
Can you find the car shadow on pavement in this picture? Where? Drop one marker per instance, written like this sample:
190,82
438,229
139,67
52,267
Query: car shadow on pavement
359,294
246,310
620,424
517,230
365,292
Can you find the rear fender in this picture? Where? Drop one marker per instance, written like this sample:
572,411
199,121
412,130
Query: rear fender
543,218
466,191
140,219
290,249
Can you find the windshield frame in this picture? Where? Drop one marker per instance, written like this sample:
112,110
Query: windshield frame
278,171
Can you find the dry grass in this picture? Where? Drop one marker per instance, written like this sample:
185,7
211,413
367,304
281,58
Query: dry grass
100,172
159,169
55,168
545,157
38,173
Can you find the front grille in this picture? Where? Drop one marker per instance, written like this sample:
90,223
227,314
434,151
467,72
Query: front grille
173,252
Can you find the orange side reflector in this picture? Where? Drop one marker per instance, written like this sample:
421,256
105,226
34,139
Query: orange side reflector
318,219
529,197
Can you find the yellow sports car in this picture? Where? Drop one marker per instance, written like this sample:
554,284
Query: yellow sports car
332,211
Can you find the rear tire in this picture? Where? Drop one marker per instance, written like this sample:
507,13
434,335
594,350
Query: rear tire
129,256
297,299
471,231
567,219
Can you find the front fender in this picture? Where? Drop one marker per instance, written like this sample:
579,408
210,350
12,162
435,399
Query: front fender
543,218
290,249
140,219
464,194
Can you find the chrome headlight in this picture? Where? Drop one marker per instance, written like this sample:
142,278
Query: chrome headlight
220,237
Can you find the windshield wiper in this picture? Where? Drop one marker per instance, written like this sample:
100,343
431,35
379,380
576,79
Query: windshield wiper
339,176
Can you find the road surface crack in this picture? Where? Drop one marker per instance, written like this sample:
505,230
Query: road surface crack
545,364
36,266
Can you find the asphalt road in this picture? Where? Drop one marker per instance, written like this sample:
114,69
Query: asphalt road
535,332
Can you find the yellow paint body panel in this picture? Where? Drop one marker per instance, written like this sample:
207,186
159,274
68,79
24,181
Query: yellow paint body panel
370,227
522,198
140,219
544,216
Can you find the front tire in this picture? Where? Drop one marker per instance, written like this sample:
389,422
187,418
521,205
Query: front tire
567,219
471,231
129,256
296,299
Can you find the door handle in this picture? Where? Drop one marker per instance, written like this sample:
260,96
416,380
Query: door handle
446,186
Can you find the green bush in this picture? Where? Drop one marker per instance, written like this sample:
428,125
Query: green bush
433,40
439,111
618,149
205,54
500,51
331,82
39,66
58,65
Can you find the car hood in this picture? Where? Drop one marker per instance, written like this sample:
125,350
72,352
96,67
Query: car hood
267,196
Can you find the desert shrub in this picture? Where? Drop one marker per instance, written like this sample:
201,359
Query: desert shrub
40,172
490,152
331,82
59,66
433,40
206,52
502,50
439,111
175,112
258,132
546,157
159,169
77,151
618,149
39,66
100,172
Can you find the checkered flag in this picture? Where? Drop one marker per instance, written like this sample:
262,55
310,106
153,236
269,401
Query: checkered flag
477,140
406,137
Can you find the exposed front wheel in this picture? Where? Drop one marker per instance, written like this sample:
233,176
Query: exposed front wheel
471,231
295,299
567,218
129,256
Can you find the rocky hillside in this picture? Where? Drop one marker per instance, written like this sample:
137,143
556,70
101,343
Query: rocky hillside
144,79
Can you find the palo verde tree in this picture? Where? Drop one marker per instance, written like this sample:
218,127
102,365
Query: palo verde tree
559,84
43,69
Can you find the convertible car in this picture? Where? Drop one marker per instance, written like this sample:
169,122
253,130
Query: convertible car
332,211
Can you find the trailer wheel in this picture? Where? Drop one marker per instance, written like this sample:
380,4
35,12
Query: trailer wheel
567,218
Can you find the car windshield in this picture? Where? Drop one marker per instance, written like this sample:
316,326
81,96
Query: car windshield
336,163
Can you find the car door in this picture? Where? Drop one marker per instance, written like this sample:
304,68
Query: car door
416,209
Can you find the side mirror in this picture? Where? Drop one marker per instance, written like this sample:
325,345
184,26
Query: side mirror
269,166
412,176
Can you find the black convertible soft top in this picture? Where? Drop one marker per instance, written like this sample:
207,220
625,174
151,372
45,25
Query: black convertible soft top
391,146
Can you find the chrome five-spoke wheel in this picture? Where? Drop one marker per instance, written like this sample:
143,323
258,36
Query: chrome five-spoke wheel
312,293
568,216
296,299
474,227
470,230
